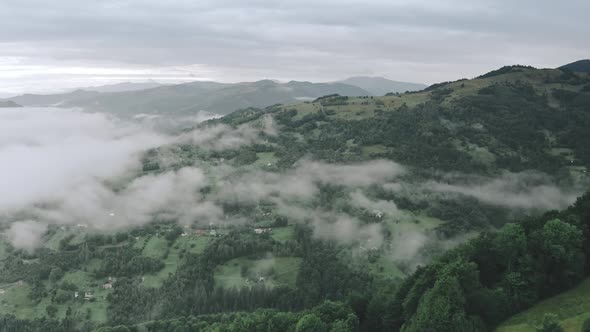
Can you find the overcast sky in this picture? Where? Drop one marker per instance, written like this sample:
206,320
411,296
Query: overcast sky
51,45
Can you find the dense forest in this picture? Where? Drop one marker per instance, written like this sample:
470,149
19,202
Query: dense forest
472,287
279,267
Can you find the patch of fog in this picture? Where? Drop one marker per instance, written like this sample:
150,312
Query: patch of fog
525,190
56,165
26,234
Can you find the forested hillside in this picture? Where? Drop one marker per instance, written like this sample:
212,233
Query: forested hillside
426,211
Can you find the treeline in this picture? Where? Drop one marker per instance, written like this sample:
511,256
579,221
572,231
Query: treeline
326,317
191,290
479,284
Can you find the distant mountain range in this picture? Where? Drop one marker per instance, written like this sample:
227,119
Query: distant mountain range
58,99
122,87
130,99
379,86
9,103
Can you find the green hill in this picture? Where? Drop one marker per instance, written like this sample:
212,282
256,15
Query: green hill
516,119
189,98
572,308
578,66
325,233
218,98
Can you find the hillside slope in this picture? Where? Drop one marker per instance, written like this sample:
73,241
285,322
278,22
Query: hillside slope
515,119
190,98
572,308
578,66
340,199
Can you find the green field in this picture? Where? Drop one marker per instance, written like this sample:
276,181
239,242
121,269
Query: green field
282,234
412,222
265,158
156,247
16,300
571,307
189,244
276,271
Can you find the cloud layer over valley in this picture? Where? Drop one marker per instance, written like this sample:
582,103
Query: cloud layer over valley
68,167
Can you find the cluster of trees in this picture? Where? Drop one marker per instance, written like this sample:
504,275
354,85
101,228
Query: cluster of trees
477,285
326,317
127,261
191,290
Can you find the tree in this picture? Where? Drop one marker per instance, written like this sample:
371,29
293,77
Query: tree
562,254
341,326
550,324
511,243
586,325
441,309
51,310
56,274
281,321
310,323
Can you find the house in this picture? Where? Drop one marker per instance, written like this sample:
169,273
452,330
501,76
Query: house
88,295
213,232
378,214
262,230
76,295
107,286
183,234
20,283
200,232
2,291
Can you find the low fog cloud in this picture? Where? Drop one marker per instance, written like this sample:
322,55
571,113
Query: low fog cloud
302,182
380,207
67,167
220,137
335,226
48,153
25,234
525,190
172,195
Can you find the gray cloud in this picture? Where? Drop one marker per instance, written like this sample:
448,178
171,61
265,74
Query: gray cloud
424,41
525,190
69,167
221,137
301,182
378,207
25,234
49,152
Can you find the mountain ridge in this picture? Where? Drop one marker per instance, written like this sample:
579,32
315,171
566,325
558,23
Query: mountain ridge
192,97
578,66
380,86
